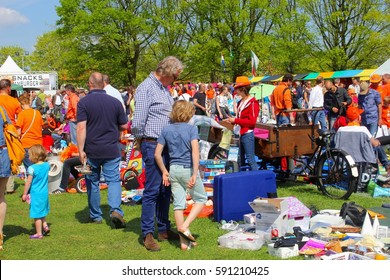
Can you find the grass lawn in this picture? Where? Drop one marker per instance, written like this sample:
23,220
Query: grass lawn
71,239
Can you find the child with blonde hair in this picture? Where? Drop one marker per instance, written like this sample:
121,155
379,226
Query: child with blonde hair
37,186
181,140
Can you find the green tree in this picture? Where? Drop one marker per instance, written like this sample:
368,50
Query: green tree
289,50
352,34
113,34
18,54
230,26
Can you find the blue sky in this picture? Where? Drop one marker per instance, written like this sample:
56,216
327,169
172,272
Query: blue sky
22,21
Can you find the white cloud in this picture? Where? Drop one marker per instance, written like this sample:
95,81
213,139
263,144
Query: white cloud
10,17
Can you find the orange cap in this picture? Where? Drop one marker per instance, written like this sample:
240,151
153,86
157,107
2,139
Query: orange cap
353,113
375,78
242,81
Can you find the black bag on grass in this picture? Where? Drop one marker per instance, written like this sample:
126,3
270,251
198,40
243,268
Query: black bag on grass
353,214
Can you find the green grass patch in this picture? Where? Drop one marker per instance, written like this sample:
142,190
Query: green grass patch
71,239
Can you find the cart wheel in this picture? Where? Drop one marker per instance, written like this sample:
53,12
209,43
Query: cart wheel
81,186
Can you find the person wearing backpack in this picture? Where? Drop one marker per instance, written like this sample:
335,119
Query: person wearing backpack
281,99
57,103
5,173
29,125
13,108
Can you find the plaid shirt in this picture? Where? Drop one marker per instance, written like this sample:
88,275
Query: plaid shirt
153,105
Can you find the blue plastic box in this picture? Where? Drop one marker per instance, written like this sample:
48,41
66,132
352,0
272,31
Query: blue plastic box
234,191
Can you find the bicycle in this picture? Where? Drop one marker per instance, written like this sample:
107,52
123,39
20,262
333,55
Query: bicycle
333,170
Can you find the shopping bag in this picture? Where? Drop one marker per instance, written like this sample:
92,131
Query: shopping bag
382,131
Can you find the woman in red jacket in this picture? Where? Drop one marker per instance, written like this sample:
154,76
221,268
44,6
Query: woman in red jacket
245,121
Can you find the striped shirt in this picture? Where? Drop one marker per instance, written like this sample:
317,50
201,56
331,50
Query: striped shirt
153,105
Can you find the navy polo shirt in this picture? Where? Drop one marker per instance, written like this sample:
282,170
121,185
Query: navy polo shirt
104,114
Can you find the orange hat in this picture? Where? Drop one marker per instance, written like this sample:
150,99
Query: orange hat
375,78
353,113
242,81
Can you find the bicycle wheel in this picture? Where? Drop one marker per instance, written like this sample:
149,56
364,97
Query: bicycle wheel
336,174
217,153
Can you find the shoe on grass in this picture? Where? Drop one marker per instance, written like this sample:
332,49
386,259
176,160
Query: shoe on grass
58,191
151,244
118,220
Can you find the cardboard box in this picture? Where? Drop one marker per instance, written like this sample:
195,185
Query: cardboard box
268,214
281,213
283,252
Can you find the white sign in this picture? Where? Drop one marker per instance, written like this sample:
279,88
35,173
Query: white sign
41,81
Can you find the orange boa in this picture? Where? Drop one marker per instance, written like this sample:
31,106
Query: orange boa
68,151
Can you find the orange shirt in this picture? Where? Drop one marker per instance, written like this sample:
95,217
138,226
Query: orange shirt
210,93
385,91
31,132
280,100
71,114
386,116
11,105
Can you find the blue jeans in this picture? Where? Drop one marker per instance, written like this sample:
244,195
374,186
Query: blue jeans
332,120
156,198
372,128
320,117
110,169
73,128
26,161
247,150
282,119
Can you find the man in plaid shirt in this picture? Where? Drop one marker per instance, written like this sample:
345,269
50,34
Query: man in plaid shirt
153,105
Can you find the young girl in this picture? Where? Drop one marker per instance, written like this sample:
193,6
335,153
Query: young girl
181,140
37,184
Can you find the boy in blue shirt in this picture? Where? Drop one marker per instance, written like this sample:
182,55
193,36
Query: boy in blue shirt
181,140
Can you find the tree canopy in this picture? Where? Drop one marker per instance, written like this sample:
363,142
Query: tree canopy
127,38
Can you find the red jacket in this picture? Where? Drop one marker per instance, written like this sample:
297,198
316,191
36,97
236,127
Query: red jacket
247,116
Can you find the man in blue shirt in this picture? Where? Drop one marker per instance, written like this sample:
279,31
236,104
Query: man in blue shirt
100,117
153,105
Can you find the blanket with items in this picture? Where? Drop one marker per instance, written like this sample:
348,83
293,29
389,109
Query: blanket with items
287,229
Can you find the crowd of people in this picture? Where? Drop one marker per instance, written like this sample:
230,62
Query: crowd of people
158,111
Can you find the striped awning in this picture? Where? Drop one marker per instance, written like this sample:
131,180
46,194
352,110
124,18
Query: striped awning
312,76
326,75
365,74
274,78
299,77
257,79
345,73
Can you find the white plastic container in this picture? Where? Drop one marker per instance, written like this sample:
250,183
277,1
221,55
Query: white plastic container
331,220
241,240
55,173
283,252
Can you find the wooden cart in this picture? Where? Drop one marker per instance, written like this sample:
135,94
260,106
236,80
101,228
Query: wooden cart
284,141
